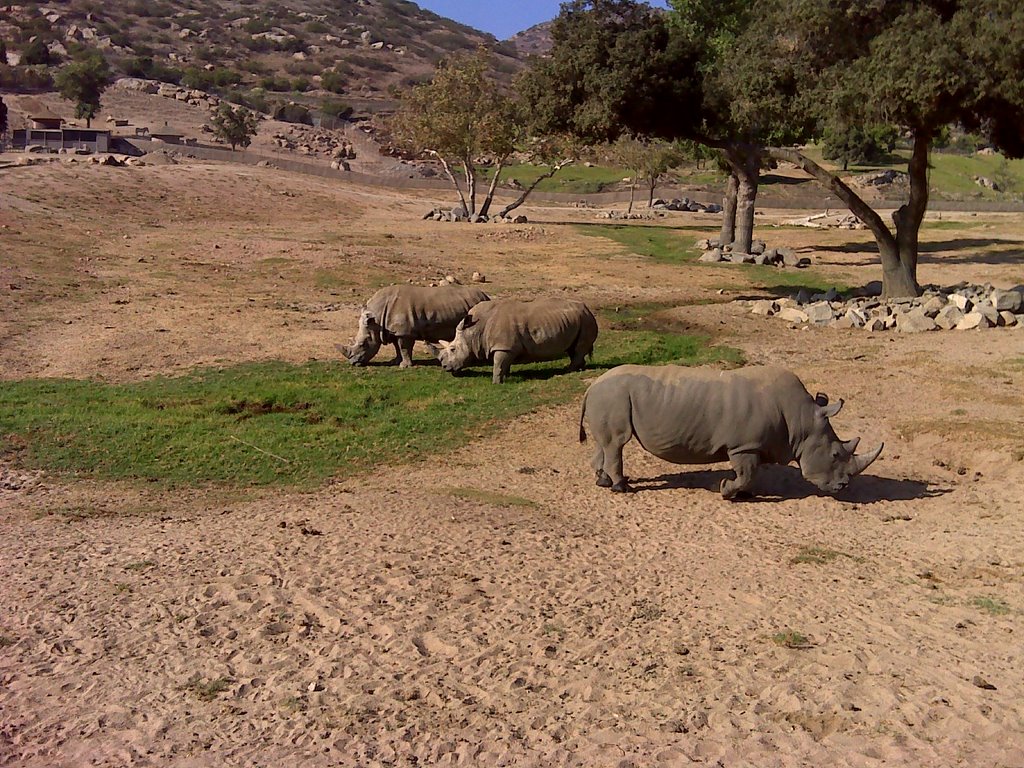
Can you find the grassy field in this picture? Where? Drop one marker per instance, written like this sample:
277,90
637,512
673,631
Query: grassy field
275,423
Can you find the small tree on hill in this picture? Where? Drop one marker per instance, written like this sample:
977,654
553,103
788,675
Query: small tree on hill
460,118
36,52
83,82
235,125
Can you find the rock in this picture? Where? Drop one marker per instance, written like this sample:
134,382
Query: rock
760,260
979,682
478,278
789,258
856,318
765,307
973,320
831,295
1008,319
933,306
802,296
452,280
792,315
770,255
803,261
704,245
873,288
738,257
914,321
948,317
990,312
757,247
874,324
819,313
961,302
520,219
844,322
711,257
1006,300
712,208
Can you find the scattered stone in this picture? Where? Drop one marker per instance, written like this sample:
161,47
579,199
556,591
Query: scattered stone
1006,300
711,257
948,317
980,682
757,247
793,315
478,278
874,324
914,321
973,320
765,307
819,313
933,306
1007,319
961,302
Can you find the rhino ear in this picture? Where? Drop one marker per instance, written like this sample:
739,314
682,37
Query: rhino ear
828,411
439,345
821,399
850,446
366,318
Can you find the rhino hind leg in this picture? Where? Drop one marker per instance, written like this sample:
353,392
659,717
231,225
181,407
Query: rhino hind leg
398,353
745,466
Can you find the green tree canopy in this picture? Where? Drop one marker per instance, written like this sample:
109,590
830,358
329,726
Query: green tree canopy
461,117
36,52
235,125
83,82
918,65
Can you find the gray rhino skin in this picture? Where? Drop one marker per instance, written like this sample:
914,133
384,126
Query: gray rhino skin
747,416
404,314
509,331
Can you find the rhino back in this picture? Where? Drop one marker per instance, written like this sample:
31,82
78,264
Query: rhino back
695,416
534,330
428,314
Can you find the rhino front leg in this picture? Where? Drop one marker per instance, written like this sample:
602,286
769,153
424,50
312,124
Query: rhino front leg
578,359
398,353
745,465
404,347
502,365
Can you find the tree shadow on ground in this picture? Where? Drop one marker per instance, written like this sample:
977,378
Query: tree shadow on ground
769,179
1012,251
775,483
485,370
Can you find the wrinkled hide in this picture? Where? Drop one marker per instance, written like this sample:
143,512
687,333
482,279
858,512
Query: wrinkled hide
749,417
404,314
507,331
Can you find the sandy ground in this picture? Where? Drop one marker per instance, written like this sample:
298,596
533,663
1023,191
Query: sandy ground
383,621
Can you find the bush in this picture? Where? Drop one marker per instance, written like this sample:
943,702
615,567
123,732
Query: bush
301,84
36,53
25,79
335,108
293,113
255,99
202,80
275,83
145,67
333,81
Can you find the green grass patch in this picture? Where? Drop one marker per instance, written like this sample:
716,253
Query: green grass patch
207,691
573,179
491,498
662,244
791,639
282,424
993,606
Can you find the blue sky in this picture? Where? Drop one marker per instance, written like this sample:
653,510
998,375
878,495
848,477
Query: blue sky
501,19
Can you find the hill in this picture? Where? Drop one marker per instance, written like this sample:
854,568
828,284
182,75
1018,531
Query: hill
254,48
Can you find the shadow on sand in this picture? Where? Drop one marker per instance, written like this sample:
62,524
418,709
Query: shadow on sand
775,483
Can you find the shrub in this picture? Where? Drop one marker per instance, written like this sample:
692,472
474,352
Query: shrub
25,79
335,108
333,81
36,53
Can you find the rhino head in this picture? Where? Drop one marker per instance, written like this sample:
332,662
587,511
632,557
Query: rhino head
456,354
825,460
367,342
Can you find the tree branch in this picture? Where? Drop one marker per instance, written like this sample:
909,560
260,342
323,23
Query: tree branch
853,201
451,176
526,192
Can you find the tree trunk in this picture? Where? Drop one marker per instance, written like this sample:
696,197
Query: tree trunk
898,253
632,191
729,211
653,183
494,185
526,192
746,196
451,178
470,172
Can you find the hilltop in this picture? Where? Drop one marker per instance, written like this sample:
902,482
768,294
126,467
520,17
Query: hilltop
252,48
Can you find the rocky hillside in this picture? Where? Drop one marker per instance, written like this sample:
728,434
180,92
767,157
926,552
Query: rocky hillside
535,41
256,49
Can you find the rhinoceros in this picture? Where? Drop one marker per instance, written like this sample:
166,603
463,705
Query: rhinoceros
509,331
403,314
747,416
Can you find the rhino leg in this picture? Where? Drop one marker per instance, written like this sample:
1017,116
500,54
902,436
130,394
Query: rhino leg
577,359
404,346
398,353
502,365
745,465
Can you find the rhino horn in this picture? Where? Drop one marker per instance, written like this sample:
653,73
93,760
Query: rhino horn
859,463
435,350
850,446
344,349
828,411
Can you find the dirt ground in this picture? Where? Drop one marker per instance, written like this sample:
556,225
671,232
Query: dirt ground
380,621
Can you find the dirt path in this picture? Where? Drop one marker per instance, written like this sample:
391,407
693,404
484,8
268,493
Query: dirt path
390,620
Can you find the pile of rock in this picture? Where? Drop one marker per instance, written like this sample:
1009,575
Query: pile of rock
960,307
685,204
315,141
713,253
459,214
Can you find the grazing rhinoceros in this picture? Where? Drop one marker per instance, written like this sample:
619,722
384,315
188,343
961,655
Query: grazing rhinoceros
749,416
403,314
509,331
